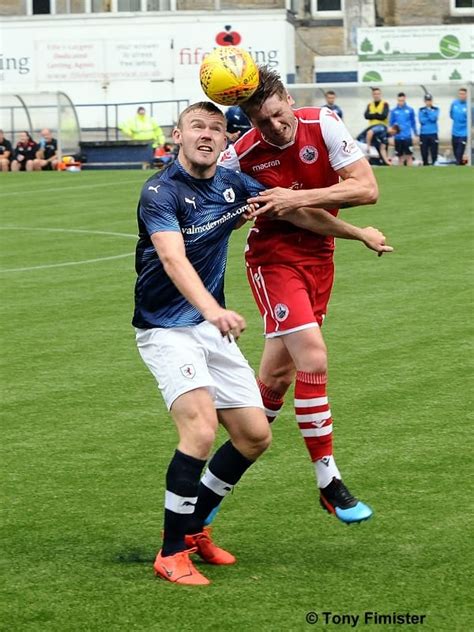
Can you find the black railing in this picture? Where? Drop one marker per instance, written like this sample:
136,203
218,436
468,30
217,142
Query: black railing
107,115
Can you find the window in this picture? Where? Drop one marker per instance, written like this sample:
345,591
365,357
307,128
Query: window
70,6
462,7
160,5
41,7
128,5
101,6
13,7
321,9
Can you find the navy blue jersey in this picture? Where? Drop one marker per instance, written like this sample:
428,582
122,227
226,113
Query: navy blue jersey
380,135
204,211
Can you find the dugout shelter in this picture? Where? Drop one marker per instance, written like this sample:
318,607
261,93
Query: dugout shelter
32,112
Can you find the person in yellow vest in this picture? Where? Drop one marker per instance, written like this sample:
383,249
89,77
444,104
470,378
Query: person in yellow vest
378,110
143,127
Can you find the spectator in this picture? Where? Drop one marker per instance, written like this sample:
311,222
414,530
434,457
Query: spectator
46,156
404,116
237,123
330,97
24,153
5,152
428,119
458,114
163,156
379,136
144,127
377,110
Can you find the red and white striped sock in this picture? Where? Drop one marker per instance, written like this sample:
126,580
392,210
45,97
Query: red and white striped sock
272,401
315,422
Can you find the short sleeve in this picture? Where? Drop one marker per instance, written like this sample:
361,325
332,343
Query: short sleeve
342,148
158,209
253,187
229,159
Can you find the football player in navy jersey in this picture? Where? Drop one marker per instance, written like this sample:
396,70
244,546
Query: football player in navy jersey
186,335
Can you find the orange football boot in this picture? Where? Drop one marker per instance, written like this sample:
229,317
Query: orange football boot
205,547
179,569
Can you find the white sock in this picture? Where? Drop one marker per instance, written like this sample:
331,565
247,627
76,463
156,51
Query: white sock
326,470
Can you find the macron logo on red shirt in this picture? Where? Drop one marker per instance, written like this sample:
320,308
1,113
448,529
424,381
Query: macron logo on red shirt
266,165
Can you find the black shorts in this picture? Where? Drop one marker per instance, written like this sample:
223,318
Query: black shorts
403,147
48,167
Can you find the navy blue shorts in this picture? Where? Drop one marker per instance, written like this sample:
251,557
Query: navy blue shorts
403,147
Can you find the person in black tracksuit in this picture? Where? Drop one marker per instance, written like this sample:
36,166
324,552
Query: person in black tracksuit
428,117
5,152
46,156
24,153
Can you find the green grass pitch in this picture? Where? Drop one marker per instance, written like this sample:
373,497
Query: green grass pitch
85,439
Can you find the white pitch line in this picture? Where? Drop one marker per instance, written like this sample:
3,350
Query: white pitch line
69,263
84,187
70,230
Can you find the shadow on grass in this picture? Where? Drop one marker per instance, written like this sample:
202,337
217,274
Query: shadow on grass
135,556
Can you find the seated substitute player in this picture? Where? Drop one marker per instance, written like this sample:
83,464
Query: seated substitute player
46,156
184,332
24,153
5,152
311,159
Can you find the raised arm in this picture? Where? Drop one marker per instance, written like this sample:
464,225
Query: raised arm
172,254
320,221
357,186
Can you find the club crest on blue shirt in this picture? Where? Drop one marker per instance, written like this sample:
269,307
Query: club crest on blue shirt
188,371
229,195
281,312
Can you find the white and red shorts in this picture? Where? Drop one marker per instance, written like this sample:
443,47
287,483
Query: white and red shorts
291,298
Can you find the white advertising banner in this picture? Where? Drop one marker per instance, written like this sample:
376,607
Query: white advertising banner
417,54
94,58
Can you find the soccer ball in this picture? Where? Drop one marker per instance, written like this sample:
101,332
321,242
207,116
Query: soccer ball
228,75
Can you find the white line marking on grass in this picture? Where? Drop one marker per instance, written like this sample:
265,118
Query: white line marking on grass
84,187
69,263
70,230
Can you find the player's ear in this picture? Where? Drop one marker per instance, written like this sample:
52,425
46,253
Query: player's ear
176,135
290,99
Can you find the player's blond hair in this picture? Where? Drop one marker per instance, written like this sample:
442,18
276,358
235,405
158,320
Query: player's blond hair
203,106
269,84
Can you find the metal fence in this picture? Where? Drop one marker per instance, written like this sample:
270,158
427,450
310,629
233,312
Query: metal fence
97,121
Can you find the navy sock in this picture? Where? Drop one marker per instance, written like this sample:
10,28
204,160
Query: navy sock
182,484
224,470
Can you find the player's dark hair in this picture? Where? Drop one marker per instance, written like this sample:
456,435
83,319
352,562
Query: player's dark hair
330,92
203,106
269,84
401,94
396,128
374,89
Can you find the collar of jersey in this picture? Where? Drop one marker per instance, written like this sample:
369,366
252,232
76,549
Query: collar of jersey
188,175
292,142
